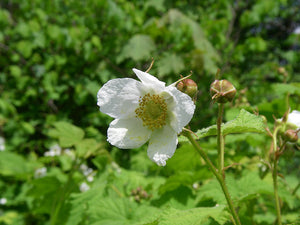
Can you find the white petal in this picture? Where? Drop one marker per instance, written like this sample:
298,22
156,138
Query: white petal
294,117
118,98
183,110
162,145
149,80
127,133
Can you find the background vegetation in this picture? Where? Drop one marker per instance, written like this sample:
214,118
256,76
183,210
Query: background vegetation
55,164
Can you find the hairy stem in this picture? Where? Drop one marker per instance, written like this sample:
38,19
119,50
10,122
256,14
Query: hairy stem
220,138
275,186
218,175
274,176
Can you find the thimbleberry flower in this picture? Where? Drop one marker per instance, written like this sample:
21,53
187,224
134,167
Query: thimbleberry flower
294,118
145,110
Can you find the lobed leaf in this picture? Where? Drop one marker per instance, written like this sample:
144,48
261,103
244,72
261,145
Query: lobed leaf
87,147
67,133
12,164
245,122
138,48
196,216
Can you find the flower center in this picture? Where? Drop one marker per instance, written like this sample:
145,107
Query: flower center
152,110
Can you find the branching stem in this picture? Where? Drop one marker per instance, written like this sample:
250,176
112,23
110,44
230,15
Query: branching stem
218,174
275,175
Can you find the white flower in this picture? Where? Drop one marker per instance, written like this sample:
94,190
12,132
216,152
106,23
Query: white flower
146,110
41,172
297,30
87,172
3,201
90,178
56,149
69,153
2,144
53,151
84,187
294,118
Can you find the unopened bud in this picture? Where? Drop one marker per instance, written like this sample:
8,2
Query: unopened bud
144,194
264,118
222,91
281,70
188,87
291,136
137,198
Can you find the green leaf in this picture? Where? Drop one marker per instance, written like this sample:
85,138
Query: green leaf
185,159
205,132
80,202
15,71
139,47
25,48
54,31
181,178
157,4
44,186
248,187
120,211
12,164
256,44
243,123
196,216
210,55
67,133
9,217
96,42
87,147
180,198
282,89
170,63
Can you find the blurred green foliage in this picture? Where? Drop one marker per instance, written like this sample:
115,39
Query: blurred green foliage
54,57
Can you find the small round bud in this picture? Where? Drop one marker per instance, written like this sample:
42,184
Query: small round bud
138,189
133,192
144,194
222,91
291,136
281,70
188,87
264,118
137,198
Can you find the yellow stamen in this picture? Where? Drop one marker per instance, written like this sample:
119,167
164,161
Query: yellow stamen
152,110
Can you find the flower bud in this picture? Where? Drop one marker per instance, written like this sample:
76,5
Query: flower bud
188,87
291,136
281,70
264,118
222,91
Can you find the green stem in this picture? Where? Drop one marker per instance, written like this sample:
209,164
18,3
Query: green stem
274,175
220,138
296,189
275,186
218,175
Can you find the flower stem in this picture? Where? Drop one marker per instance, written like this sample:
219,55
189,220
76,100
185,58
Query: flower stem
275,186
220,138
274,176
218,175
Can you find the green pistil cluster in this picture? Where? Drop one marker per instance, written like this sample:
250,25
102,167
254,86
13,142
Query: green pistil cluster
152,110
